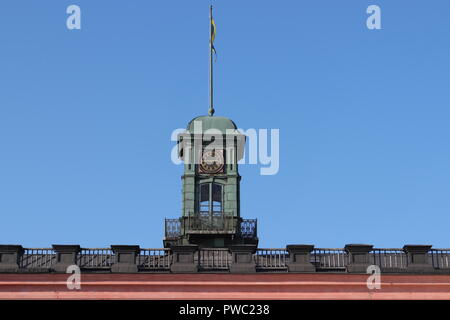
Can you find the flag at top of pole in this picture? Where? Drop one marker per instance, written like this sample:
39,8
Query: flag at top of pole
213,32
212,50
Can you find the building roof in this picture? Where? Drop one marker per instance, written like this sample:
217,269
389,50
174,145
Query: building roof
354,258
211,122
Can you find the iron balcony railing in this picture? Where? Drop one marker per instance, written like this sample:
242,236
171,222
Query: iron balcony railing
214,259
440,258
95,258
37,258
246,228
220,259
209,224
328,259
172,228
154,259
272,259
389,259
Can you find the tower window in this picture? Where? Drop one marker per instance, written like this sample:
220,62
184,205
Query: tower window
204,198
211,199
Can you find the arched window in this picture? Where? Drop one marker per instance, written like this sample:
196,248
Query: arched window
211,199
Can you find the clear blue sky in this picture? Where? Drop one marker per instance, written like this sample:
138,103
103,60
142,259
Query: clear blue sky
86,118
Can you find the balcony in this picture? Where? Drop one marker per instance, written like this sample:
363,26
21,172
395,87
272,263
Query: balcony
209,224
246,228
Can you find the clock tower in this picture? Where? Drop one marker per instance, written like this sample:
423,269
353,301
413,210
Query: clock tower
210,149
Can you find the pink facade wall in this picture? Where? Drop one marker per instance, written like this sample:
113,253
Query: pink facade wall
223,286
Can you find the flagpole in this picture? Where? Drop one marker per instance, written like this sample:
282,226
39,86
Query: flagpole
211,97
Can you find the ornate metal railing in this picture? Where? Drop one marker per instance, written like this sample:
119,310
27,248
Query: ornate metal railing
248,228
271,259
172,228
37,258
209,224
214,259
245,228
329,259
154,259
95,258
389,258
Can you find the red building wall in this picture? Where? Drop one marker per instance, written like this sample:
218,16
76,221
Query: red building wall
224,286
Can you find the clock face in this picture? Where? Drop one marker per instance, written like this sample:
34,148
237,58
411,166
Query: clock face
212,161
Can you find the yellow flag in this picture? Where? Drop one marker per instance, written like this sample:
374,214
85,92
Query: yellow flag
213,34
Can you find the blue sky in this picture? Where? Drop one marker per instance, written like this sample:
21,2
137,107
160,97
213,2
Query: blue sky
86,117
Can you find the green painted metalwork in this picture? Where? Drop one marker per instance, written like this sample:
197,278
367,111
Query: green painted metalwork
210,200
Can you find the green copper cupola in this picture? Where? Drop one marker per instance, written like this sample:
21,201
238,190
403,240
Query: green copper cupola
210,149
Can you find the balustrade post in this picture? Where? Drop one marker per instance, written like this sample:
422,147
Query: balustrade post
358,256
125,258
417,258
66,255
242,258
300,258
10,257
183,259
